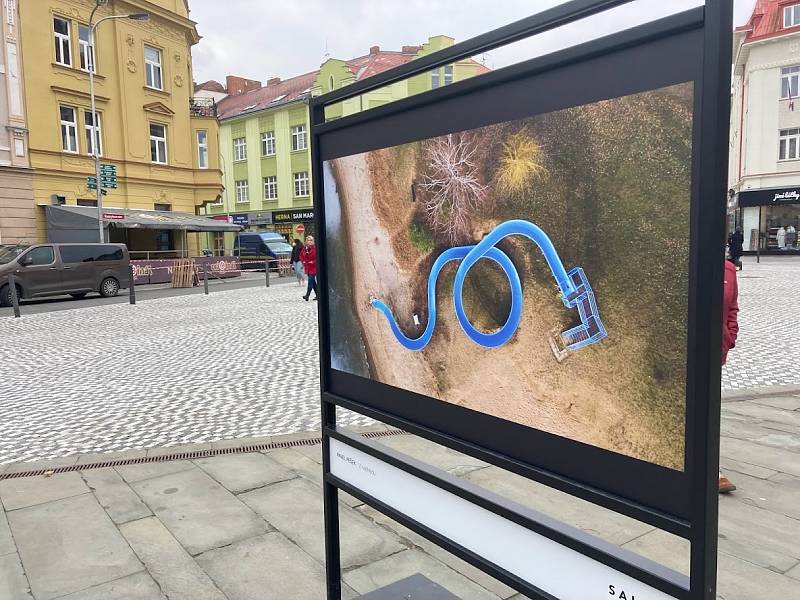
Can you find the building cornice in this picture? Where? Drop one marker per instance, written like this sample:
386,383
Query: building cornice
263,111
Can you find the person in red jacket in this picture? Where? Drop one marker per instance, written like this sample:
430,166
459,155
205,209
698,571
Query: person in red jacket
730,329
308,256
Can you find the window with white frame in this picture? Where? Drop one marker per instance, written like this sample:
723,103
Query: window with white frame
202,149
86,50
62,39
242,192
152,68
271,187
448,74
789,82
301,184
240,149
69,129
91,140
299,137
268,143
789,144
435,78
158,143
791,15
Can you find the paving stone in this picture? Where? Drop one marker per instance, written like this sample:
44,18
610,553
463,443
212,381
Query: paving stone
13,583
117,499
155,400
763,456
664,548
729,464
741,580
198,511
100,457
267,567
295,509
610,526
177,574
6,541
757,535
134,473
780,494
42,464
313,452
765,413
51,536
133,587
785,402
757,431
172,449
243,472
410,562
433,454
28,491
452,561
794,572
308,468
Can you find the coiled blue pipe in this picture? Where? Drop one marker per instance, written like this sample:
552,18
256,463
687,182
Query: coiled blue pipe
575,291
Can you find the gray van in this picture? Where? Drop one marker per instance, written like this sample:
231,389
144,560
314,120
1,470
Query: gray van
56,269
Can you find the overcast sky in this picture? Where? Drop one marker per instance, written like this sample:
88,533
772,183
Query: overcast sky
259,39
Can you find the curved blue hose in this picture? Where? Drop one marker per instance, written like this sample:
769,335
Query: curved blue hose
575,291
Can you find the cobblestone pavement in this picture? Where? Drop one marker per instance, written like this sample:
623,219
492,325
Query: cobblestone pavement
766,353
196,368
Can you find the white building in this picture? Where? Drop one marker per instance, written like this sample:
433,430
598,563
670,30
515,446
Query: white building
765,127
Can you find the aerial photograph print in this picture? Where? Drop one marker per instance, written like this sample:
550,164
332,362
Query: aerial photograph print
534,270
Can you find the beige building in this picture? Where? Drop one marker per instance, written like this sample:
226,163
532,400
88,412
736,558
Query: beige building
17,215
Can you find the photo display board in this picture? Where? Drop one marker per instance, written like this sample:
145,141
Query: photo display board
517,267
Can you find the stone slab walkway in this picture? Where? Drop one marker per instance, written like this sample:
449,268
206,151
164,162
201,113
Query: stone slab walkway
249,526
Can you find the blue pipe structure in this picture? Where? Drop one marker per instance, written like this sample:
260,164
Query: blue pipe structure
576,293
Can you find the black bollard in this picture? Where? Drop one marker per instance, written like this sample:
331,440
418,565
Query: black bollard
205,278
132,286
12,288
266,271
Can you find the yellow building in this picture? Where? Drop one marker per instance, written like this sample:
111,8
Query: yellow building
164,144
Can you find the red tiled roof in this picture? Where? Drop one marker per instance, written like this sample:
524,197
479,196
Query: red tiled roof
767,20
266,97
210,86
372,64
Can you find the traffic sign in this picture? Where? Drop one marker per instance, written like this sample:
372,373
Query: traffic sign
108,169
91,183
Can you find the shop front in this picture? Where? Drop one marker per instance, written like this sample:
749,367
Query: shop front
770,219
294,223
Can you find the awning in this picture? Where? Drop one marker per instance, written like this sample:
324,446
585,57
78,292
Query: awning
769,196
75,217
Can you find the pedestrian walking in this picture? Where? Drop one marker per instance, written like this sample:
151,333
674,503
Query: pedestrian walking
730,330
736,247
297,264
308,256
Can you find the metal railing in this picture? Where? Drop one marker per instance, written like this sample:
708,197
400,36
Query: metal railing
202,107
157,254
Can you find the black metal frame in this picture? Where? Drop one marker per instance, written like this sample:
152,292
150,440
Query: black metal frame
691,46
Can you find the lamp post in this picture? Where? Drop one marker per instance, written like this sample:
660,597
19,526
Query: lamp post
90,59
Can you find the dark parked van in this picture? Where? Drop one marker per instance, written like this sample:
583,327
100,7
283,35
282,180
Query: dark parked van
57,269
260,246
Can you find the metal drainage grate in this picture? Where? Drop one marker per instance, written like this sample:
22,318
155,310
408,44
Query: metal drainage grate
189,455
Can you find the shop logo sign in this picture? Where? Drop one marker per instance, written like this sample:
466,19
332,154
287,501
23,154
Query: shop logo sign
793,196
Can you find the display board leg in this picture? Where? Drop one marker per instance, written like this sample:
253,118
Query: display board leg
330,495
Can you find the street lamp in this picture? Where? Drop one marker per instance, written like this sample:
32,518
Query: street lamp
95,137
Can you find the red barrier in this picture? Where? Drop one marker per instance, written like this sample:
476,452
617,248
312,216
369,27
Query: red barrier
160,271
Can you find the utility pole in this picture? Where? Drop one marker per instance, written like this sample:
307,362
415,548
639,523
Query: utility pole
90,59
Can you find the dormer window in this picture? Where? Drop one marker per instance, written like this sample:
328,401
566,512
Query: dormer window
791,16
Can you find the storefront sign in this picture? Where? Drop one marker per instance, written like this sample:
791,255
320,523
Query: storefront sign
293,216
769,197
261,218
241,219
225,218
113,217
160,271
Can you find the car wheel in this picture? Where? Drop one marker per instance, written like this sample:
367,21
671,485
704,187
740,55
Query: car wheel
109,287
5,295
80,296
